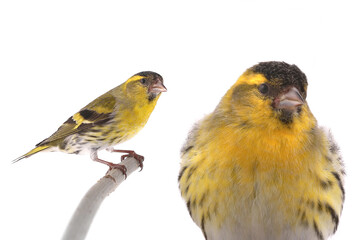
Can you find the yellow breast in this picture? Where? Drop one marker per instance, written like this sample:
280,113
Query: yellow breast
131,120
248,177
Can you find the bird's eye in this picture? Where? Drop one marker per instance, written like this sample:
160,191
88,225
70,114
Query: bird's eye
264,88
143,81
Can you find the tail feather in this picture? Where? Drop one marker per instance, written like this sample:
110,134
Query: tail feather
32,152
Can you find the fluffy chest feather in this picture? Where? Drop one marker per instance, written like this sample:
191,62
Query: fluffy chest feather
131,121
254,184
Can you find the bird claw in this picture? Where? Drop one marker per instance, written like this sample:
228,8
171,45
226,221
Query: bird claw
139,158
111,165
120,167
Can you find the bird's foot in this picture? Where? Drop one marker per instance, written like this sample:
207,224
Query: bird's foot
111,165
130,153
121,167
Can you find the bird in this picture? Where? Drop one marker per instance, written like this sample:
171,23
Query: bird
110,119
259,166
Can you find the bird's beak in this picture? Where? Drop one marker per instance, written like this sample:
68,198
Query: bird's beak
289,100
157,87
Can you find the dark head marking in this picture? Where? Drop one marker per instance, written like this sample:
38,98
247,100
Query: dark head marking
282,73
281,78
150,75
154,83
151,96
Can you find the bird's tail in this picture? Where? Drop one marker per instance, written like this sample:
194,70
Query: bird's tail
32,152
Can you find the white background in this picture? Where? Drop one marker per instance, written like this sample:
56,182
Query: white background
55,57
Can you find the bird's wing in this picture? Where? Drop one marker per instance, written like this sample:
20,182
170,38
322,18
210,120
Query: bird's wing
96,113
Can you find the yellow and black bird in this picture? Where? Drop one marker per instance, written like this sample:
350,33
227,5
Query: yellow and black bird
259,166
110,119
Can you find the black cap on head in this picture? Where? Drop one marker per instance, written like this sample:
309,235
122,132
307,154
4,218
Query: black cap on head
282,73
153,82
150,74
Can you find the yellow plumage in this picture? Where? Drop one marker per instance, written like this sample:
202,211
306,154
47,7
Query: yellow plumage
112,118
259,167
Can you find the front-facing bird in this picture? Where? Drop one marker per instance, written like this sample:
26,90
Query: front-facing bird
110,119
259,166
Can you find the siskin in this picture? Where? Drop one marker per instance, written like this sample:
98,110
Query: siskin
110,119
259,166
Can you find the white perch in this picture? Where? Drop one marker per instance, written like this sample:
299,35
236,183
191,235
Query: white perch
83,216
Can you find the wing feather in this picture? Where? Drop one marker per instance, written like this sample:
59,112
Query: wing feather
96,113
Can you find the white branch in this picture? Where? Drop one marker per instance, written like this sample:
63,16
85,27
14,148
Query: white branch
84,214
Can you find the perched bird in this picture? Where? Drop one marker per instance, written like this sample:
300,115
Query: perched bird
259,166
110,119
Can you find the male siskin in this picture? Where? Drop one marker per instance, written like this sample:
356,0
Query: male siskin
110,119
259,166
